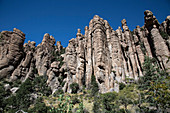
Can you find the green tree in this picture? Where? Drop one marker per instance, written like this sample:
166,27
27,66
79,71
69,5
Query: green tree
94,86
40,85
97,105
155,84
108,102
22,100
3,95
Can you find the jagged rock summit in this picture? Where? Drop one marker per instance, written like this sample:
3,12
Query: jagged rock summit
112,56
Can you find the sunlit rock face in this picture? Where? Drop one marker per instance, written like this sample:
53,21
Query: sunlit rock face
11,51
113,56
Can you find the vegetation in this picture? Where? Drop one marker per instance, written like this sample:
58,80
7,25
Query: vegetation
164,35
1,37
39,84
121,86
155,84
64,106
39,107
94,86
141,29
75,99
56,56
151,94
74,87
142,47
25,95
58,92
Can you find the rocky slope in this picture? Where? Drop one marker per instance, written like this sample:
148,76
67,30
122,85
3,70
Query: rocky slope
112,56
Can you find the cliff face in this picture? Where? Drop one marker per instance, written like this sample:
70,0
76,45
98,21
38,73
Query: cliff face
112,56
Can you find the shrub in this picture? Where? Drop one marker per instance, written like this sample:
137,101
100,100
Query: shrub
22,99
97,105
141,29
132,32
75,100
63,83
94,86
81,108
1,37
164,35
121,86
39,107
142,47
16,83
107,101
40,85
74,87
64,106
58,92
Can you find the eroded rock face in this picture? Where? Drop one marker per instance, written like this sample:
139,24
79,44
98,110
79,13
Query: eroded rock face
158,45
44,53
27,65
112,56
11,51
53,74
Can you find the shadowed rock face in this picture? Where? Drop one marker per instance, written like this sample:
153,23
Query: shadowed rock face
112,56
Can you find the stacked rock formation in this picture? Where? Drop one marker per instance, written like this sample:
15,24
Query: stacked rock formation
115,56
112,56
11,51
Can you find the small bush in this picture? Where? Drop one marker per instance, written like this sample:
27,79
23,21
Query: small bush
39,107
94,86
40,85
1,37
75,100
16,83
63,83
64,106
74,87
141,29
142,47
132,32
58,92
121,86
164,35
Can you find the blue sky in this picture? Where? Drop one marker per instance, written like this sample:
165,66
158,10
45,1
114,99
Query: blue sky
62,18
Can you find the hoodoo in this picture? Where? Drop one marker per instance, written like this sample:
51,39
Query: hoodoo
112,56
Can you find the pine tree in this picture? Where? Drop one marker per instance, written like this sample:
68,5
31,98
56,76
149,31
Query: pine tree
94,86
155,84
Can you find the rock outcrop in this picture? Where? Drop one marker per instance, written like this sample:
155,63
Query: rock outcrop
11,51
112,56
